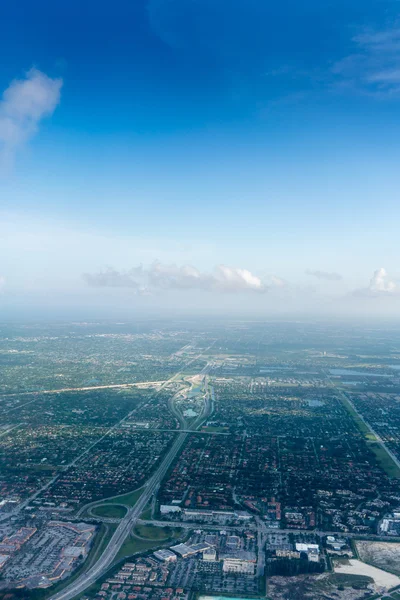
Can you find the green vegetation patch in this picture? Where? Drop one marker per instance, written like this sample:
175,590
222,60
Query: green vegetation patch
211,429
146,514
128,499
383,458
150,532
110,511
149,539
348,580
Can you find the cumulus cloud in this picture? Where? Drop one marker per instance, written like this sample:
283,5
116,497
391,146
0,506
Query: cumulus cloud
24,104
380,282
160,277
380,285
328,276
374,67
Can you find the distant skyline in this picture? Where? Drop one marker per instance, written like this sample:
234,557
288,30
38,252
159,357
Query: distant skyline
204,156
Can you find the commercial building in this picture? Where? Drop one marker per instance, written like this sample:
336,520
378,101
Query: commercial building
236,565
210,555
169,508
206,515
185,551
165,555
241,561
312,551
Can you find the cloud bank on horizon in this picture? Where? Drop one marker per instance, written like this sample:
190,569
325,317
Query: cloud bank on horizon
220,148
161,277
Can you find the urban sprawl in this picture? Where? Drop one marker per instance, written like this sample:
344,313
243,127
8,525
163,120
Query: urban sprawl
195,460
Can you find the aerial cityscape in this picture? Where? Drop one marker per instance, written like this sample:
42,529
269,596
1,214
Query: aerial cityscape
199,300
194,459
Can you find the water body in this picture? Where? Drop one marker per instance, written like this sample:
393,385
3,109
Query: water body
359,373
272,370
396,367
292,369
315,403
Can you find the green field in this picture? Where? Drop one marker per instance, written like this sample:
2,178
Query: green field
128,499
348,580
111,511
132,545
146,514
383,458
155,537
157,533
211,429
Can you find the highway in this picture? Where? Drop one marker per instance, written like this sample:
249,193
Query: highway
80,389
127,523
123,530
190,525
379,440
150,488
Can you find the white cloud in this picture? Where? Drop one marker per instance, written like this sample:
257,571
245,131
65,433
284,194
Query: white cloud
381,282
374,67
159,277
380,285
24,104
110,277
327,275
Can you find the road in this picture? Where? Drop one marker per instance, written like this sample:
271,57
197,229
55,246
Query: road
190,525
47,485
79,389
150,488
6,431
123,529
127,523
379,440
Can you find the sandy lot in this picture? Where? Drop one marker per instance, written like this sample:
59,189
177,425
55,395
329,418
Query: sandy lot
384,555
356,567
314,587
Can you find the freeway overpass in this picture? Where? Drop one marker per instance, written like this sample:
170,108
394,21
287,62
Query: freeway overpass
127,523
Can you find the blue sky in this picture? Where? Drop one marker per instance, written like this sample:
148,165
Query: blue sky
182,135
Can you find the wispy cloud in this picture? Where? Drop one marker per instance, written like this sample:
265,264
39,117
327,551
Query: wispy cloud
328,276
381,284
374,66
110,277
160,277
24,104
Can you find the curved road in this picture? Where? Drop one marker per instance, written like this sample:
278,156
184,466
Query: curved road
127,523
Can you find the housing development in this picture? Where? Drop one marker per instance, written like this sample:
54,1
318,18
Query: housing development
195,460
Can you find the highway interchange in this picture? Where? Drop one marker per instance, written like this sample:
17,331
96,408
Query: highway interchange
128,522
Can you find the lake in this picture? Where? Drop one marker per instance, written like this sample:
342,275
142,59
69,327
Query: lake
360,373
